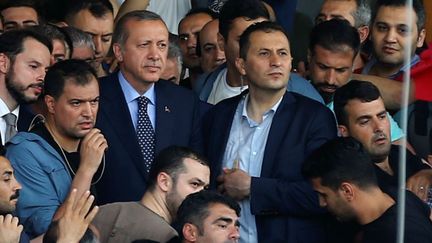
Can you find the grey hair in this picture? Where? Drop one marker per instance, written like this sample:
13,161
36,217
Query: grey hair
362,15
79,38
174,50
121,34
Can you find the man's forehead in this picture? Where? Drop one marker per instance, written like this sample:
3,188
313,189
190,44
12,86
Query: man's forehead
5,165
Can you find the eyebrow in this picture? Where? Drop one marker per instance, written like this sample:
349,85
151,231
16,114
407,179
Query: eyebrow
224,219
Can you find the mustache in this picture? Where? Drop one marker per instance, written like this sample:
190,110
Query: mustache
15,195
379,135
324,85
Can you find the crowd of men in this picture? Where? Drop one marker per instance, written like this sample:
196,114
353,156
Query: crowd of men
206,134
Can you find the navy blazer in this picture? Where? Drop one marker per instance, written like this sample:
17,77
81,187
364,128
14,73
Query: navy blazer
285,206
177,123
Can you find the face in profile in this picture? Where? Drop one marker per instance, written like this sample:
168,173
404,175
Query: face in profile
195,178
9,187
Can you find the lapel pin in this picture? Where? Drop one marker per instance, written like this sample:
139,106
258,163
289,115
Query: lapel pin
167,109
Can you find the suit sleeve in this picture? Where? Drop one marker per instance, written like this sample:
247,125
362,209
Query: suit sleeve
277,196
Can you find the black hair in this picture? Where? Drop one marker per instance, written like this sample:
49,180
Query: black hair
77,71
2,150
341,160
98,8
34,4
170,160
265,26
362,90
417,6
334,35
12,42
232,9
195,208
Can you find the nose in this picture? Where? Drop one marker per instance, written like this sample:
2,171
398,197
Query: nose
235,233
87,109
98,45
378,125
17,186
391,35
220,55
322,202
330,76
154,53
275,60
192,41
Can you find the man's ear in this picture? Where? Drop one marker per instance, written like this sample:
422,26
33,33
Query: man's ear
421,38
50,102
343,131
363,33
347,191
190,232
240,65
164,181
221,41
4,63
118,52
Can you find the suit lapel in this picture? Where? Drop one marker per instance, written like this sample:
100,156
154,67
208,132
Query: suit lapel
165,118
281,121
118,112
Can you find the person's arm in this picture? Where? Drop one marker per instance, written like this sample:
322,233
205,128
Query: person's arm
131,5
92,150
391,90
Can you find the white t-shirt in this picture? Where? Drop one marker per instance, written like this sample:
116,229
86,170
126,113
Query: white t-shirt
221,90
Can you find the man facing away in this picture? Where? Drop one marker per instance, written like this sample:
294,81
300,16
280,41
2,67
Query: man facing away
342,173
62,153
257,142
176,173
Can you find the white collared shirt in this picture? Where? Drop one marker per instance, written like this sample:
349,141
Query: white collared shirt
3,111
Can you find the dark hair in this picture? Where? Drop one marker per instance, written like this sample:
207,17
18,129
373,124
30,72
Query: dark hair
98,8
2,150
170,160
52,234
266,27
121,33
35,5
12,42
334,35
53,32
417,6
194,11
362,90
77,71
340,160
195,208
232,9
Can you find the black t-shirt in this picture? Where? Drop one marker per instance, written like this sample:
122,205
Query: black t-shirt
389,182
418,226
72,159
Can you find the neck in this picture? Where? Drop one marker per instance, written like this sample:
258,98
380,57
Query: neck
67,143
358,62
374,204
139,85
101,72
384,70
10,102
385,166
156,203
234,77
261,101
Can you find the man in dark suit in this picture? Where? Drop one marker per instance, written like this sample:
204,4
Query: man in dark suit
24,58
140,114
258,141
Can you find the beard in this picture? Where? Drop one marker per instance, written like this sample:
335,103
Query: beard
16,90
378,154
173,202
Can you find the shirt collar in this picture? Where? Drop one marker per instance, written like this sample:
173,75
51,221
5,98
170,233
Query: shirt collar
245,102
131,94
4,109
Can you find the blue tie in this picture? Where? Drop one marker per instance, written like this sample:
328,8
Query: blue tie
145,133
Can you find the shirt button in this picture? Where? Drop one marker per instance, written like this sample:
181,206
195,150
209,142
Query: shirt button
254,153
